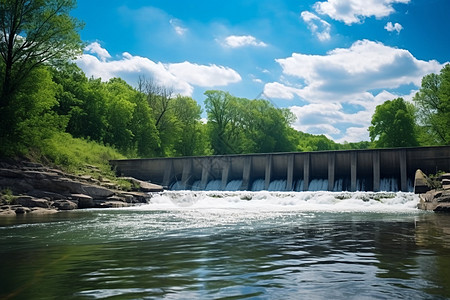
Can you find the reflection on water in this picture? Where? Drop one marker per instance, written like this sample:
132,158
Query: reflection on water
197,253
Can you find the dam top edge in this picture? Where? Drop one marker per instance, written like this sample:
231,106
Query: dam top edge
285,153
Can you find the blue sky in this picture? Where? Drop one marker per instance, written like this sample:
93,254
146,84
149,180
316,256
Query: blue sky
331,62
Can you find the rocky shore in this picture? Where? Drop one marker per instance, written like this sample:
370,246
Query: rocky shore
434,193
32,188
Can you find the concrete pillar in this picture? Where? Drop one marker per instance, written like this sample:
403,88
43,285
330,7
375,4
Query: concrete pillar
376,170
306,165
206,171
290,172
331,170
268,172
168,173
403,171
225,173
353,168
187,177
246,174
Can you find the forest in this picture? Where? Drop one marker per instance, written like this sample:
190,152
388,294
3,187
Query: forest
49,109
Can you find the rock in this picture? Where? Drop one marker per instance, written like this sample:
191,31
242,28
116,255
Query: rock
112,204
42,211
29,201
445,176
45,194
420,183
136,197
143,185
40,174
84,201
22,210
65,205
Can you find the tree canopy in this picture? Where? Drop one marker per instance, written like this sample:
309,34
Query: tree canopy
433,104
393,125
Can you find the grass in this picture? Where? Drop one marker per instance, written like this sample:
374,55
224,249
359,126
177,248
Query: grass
79,156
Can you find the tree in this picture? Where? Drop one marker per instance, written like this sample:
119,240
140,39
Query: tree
33,32
393,125
191,139
433,104
221,108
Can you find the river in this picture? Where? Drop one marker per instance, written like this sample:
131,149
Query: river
232,245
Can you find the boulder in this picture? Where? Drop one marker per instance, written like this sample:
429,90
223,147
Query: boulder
111,204
65,205
144,186
445,176
29,201
22,210
420,183
84,201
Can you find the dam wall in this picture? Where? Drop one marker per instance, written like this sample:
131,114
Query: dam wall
352,170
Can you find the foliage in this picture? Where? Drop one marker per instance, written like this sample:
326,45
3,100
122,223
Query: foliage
393,125
6,196
433,105
239,125
73,154
30,114
32,33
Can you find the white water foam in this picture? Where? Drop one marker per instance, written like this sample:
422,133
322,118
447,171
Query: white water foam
285,201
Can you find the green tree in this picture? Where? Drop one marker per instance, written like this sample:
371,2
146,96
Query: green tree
239,125
34,32
33,115
221,108
191,139
433,105
393,125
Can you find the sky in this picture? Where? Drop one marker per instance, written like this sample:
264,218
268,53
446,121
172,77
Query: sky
330,62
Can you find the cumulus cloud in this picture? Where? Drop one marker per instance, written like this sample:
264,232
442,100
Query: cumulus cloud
393,27
354,11
182,77
96,49
237,41
202,75
320,28
365,66
340,86
280,91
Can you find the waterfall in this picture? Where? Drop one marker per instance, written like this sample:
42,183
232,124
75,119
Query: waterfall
389,184
279,185
258,185
318,185
234,185
214,185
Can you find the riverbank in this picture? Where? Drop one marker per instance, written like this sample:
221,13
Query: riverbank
33,188
434,192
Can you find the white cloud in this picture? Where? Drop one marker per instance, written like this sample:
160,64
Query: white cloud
280,91
320,28
393,27
343,87
236,41
178,27
182,77
95,48
365,66
202,75
354,11
354,135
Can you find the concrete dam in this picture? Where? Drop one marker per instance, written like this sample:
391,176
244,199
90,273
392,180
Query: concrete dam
352,170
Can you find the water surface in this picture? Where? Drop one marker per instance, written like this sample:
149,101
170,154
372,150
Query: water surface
219,245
